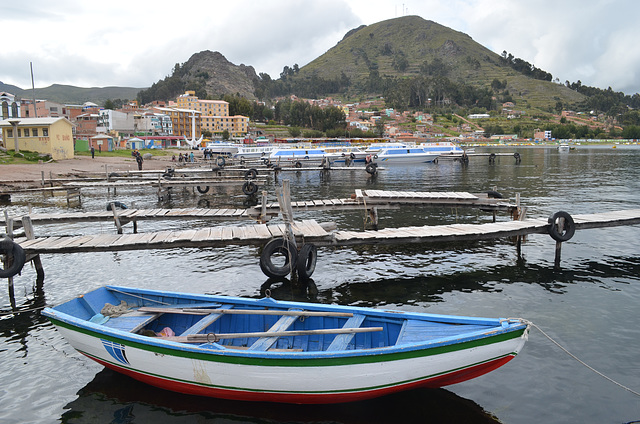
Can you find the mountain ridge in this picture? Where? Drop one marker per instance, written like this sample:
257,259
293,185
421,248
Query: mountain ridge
399,48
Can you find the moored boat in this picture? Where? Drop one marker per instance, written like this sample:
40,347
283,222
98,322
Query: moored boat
298,156
221,148
279,351
341,153
403,155
442,148
254,151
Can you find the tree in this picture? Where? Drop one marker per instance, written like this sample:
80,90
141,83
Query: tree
294,131
109,104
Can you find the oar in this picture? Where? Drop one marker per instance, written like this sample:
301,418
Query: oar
198,311
212,337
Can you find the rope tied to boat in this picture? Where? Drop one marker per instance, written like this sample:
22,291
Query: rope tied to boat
565,350
139,297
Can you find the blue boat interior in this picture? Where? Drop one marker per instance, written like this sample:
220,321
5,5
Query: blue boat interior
388,329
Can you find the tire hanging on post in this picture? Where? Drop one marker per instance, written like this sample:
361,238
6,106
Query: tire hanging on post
11,249
202,190
306,264
568,226
282,247
249,188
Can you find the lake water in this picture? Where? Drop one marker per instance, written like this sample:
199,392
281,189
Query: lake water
590,305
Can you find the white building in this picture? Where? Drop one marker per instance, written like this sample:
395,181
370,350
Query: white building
9,108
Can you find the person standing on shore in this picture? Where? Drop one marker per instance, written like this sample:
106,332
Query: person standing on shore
139,160
93,152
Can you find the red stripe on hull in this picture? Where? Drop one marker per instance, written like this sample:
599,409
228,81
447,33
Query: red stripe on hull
309,398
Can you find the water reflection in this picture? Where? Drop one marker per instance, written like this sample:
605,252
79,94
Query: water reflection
114,398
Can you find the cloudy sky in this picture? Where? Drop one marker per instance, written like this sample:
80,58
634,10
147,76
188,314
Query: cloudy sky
136,43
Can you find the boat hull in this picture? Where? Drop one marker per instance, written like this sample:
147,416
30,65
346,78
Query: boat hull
285,378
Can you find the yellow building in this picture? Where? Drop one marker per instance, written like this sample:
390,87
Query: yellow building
183,121
43,135
215,115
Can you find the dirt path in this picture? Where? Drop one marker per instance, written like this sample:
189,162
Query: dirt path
12,174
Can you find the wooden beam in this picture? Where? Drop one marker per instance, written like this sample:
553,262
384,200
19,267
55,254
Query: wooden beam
212,337
202,311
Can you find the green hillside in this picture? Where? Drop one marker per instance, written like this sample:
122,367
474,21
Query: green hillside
68,94
405,47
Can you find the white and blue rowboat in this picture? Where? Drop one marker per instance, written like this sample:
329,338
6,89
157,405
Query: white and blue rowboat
278,351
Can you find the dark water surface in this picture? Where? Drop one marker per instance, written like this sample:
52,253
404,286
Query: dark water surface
590,306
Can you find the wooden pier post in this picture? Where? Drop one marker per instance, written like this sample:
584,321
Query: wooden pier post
35,259
263,209
556,262
116,219
284,200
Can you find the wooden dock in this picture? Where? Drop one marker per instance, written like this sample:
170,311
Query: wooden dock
313,232
360,200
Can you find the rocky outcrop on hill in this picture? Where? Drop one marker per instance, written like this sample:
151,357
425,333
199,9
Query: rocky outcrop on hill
219,76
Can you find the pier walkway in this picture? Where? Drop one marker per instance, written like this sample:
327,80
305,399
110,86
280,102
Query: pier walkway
361,199
313,232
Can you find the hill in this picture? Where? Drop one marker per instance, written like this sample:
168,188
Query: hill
207,73
68,94
409,46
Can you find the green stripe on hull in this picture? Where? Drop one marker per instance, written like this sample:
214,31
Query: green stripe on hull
365,357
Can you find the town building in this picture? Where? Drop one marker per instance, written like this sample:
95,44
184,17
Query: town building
214,115
43,109
9,108
53,136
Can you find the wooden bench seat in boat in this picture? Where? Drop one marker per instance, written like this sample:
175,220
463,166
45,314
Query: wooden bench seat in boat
341,341
264,343
204,322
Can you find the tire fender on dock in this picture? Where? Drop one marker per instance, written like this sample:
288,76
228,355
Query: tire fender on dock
13,250
568,226
278,246
307,258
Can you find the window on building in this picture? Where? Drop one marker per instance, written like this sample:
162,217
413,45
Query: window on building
19,132
26,132
9,133
45,132
35,132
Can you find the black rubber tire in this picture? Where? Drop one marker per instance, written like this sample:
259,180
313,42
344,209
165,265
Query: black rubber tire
375,156
352,156
249,188
251,173
281,246
307,258
298,164
9,248
568,228
371,168
220,161
494,194
117,205
202,190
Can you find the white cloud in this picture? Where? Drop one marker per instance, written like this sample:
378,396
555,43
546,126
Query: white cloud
129,43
